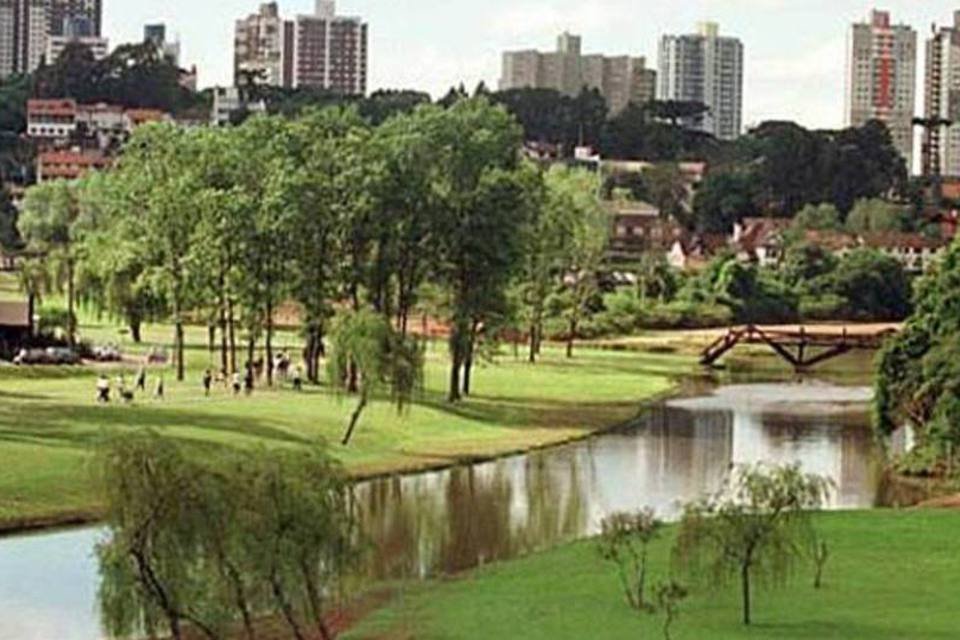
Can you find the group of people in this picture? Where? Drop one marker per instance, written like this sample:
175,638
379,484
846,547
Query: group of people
244,382
239,382
105,388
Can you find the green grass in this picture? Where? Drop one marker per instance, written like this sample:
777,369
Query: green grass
49,421
890,575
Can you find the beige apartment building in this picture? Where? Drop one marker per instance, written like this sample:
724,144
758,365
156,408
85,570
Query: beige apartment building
621,80
941,143
881,78
320,50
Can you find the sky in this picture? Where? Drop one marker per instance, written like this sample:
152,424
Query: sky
794,49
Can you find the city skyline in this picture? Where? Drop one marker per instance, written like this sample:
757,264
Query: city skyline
413,45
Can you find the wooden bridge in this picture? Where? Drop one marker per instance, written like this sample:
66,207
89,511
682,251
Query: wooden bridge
800,347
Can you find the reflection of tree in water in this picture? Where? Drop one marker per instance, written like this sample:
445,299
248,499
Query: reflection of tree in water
457,519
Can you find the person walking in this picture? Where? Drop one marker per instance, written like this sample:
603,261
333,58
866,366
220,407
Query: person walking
297,379
236,383
103,389
207,382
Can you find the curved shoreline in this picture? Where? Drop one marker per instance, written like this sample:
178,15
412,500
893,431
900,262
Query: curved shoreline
73,519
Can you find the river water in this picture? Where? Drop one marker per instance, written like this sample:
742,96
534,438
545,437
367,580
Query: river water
441,522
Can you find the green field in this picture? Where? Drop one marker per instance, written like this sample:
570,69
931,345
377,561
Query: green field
890,575
49,420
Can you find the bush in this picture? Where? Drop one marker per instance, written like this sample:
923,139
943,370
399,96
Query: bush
52,320
828,306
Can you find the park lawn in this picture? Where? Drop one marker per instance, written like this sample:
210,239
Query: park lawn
49,421
891,574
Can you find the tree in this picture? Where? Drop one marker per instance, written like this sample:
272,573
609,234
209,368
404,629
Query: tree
158,186
873,215
365,343
486,202
202,547
587,244
668,191
722,200
822,217
874,285
51,225
917,370
756,528
668,596
625,540
148,562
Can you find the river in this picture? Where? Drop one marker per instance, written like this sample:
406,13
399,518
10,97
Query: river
442,522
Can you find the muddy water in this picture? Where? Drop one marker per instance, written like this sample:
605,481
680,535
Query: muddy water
435,523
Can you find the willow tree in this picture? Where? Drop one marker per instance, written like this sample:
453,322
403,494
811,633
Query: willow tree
51,226
757,528
364,342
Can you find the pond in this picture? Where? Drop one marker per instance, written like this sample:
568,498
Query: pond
442,522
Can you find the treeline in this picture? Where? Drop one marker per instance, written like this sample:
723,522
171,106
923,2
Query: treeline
918,374
809,285
431,212
779,167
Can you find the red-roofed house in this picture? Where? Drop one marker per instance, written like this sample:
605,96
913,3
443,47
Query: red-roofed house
51,119
69,164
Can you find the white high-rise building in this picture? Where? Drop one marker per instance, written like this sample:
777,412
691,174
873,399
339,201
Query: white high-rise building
941,142
881,78
705,68
259,47
8,37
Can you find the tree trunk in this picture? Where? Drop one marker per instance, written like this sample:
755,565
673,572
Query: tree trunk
232,334
571,337
224,364
533,343
354,419
71,305
745,585
454,392
178,338
468,360
211,338
136,325
269,343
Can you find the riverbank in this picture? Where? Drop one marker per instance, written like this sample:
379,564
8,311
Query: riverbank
891,574
50,424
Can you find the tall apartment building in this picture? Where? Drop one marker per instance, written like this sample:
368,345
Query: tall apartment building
621,80
881,78
26,25
65,12
322,50
941,143
706,68
258,47
330,51
156,34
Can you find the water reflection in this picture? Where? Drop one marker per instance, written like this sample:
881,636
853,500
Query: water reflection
452,520
444,522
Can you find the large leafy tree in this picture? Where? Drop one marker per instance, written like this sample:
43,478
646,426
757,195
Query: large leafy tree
485,202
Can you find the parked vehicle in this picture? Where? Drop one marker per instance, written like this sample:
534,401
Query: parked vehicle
49,356
107,353
63,355
157,355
